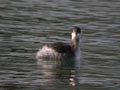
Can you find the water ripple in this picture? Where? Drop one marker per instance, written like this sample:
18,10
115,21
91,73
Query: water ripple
28,24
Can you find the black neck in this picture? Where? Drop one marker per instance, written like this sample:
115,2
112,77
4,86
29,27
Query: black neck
74,44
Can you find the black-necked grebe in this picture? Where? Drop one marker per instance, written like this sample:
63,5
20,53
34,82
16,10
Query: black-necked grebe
59,50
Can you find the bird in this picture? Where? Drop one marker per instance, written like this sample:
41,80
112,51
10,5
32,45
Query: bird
60,50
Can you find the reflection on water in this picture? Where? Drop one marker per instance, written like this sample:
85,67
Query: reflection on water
25,25
55,72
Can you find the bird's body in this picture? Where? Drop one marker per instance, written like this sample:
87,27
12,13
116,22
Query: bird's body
57,50
60,50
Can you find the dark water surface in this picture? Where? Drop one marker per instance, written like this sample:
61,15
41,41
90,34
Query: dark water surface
25,25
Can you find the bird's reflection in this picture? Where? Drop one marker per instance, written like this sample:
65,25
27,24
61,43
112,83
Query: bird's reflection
59,72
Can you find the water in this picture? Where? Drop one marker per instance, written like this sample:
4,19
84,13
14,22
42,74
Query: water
25,25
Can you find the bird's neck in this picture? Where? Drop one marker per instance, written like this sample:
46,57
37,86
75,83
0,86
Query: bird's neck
76,47
75,44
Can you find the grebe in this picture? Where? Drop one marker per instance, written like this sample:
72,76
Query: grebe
59,50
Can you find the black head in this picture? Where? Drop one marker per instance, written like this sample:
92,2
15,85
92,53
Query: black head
76,33
76,30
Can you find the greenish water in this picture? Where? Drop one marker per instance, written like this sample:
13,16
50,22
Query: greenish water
25,25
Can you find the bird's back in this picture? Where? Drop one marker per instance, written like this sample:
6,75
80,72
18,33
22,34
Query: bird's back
56,50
